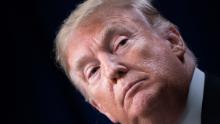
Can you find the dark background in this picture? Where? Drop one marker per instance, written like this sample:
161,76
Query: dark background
43,93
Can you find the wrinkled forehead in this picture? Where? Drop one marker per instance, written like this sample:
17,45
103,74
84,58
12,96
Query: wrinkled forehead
97,26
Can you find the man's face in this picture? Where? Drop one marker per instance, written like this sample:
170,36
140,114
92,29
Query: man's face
128,71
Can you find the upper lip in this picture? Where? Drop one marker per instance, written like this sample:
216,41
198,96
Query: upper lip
130,85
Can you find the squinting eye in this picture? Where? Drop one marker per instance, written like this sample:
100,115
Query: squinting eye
122,41
93,71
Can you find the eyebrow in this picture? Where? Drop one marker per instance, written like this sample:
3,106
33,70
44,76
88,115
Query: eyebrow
110,32
106,36
81,61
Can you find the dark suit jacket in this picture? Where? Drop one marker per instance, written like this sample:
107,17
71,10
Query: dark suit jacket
211,100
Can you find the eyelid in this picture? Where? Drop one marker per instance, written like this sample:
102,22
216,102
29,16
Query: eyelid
88,70
117,41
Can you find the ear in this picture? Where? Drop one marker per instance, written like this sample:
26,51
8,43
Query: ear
102,110
176,42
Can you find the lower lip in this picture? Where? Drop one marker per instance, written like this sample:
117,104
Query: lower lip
133,89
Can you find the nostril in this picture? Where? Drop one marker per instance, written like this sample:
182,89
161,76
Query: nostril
118,73
121,73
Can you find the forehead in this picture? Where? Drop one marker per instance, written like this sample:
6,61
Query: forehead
96,26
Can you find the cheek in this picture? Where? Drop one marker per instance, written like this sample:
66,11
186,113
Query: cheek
147,58
105,97
102,93
137,54
157,61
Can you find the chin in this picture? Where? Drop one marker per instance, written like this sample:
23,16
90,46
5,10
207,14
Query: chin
143,104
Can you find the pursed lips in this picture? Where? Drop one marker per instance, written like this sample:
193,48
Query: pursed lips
129,86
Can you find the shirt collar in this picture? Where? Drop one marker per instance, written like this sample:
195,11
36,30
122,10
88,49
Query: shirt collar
192,112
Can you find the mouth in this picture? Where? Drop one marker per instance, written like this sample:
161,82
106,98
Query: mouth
131,88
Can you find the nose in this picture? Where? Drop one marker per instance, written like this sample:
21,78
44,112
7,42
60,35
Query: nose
113,69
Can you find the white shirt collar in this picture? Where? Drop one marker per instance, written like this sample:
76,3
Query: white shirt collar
193,110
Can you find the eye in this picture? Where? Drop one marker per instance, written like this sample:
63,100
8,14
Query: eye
120,42
92,71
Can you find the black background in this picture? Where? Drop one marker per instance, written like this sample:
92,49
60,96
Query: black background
43,93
